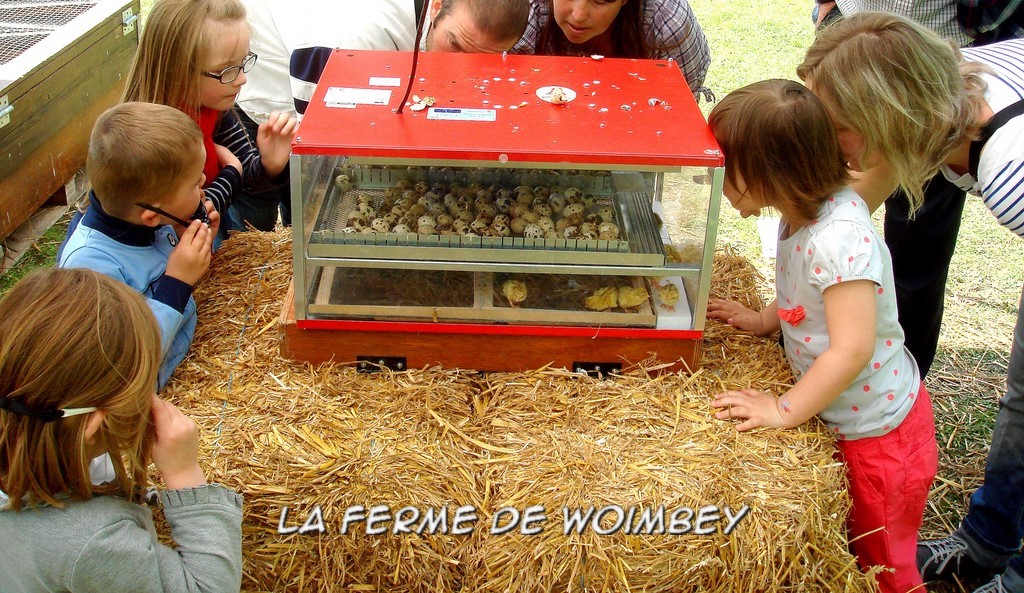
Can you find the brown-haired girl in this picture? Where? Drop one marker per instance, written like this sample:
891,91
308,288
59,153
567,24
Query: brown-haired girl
77,383
836,307
646,29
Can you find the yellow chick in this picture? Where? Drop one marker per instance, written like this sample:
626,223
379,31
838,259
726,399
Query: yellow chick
603,299
669,294
515,291
630,296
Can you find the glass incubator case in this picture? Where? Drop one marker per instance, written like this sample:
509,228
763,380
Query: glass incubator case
517,212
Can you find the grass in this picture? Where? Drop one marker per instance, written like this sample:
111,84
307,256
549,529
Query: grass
752,41
43,252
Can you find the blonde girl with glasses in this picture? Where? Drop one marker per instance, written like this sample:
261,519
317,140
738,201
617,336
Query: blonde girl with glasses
76,383
194,55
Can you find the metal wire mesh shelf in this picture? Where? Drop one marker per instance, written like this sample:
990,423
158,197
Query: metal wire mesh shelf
24,23
639,243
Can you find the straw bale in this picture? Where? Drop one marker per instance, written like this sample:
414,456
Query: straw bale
288,434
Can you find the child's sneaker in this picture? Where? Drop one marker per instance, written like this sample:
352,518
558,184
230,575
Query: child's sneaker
940,559
993,586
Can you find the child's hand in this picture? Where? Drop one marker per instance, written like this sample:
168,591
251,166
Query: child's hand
755,408
176,450
213,215
190,258
738,316
226,158
274,141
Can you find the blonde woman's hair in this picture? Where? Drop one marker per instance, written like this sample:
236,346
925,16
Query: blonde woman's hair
73,338
140,151
778,139
896,84
174,48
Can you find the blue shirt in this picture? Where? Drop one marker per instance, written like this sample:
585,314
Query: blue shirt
137,256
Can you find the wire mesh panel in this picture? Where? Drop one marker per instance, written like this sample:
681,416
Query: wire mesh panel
24,23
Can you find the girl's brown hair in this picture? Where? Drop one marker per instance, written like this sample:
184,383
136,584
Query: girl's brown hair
778,139
173,50
627,33
74,338
896,84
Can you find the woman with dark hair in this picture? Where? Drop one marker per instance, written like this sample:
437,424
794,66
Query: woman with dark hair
655,29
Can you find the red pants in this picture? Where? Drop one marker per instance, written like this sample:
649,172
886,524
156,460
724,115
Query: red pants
889,479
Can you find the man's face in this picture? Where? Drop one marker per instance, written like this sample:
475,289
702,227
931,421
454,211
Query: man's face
456,32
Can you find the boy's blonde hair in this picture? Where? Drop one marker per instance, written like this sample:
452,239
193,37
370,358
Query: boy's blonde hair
896,84
73,338
778,139
140,151
174,48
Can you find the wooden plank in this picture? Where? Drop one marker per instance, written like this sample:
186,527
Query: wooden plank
34,56
483,289
55,105
25,237
480,352
323,293
62,48
519,315
326,302
44,171
51,104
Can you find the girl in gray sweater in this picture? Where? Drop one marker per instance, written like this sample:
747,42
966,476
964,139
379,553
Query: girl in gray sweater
79,355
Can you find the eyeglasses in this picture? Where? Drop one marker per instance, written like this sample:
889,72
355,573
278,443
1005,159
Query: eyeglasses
229,74
200,214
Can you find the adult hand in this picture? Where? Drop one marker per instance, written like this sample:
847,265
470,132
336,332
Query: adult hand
755,408
274,141
176,450
738,316
190,258
226,158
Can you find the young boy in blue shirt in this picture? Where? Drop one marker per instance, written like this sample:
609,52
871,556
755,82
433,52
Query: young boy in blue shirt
149,225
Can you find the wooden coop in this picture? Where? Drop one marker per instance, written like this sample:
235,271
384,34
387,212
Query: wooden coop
61,65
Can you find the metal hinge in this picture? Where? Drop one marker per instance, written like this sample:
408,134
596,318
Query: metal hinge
597,369
5,111
373,364
128,18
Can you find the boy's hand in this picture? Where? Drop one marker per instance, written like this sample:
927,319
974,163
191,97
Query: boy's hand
226,158
190,258
755,408
213,215
737,315
274,141
176,450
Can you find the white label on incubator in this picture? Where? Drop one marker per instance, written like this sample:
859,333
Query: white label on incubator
456,113
346,97
385,81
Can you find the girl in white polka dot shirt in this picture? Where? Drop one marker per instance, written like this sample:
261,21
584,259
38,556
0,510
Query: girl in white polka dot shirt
835,305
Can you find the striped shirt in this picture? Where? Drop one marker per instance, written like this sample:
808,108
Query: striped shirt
230,134
1000,180
937,15
669,24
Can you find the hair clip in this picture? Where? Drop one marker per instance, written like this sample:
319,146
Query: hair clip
14,406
